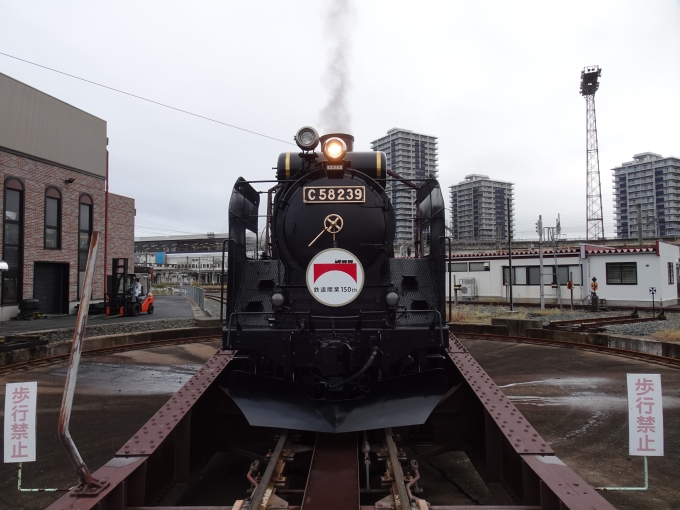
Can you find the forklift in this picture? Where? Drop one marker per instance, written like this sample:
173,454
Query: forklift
123,296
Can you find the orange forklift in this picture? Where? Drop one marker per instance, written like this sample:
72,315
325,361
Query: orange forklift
127,293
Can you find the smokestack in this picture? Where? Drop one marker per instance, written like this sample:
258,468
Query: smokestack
335,116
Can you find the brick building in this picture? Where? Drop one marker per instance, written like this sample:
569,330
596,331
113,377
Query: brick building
54,170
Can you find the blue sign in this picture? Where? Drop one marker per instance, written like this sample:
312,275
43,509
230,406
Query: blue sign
160,257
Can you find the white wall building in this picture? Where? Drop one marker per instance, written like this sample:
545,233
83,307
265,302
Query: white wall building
624,275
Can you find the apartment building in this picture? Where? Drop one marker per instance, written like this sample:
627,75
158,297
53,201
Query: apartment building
413,156
653,182
479,208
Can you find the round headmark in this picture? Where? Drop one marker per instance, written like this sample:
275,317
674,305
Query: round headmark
335,277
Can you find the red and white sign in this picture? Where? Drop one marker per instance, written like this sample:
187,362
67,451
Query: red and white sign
20,405
645,415
335,277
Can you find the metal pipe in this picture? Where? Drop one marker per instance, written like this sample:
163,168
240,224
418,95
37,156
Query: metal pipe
268,227
629,488
366,449
106,227
88,483
224,247
512,305
21,489
251,472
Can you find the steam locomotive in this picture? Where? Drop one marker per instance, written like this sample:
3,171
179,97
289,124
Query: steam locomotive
333,333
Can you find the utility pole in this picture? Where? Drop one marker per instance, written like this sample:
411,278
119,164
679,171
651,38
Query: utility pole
594,216
539,229
639,223
554,232
512,305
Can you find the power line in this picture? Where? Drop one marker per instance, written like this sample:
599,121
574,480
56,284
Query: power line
145,99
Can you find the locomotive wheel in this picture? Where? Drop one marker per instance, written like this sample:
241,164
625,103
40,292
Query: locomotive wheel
150,310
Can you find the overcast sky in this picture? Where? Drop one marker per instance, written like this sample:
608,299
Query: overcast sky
496,82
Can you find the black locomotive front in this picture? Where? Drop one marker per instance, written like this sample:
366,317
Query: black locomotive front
333,332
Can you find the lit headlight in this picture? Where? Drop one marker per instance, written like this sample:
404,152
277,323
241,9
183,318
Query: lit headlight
334,149
307,138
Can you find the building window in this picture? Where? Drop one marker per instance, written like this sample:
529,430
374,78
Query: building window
458,267
84,234
670,273
52,219
622,273
534,275
13,241
479,266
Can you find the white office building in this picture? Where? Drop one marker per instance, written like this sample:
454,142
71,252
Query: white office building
653,182
413,156
479,208
624,275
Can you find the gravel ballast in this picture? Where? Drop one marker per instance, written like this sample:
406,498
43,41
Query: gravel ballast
484,313
61,335
212,307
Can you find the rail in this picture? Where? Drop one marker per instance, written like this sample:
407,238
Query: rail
195,293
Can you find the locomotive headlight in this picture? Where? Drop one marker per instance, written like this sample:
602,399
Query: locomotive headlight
392,299
334,149
277,299
307,138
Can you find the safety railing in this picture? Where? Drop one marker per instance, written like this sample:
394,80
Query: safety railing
195,293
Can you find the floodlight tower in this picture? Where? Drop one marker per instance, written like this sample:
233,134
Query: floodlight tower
594,216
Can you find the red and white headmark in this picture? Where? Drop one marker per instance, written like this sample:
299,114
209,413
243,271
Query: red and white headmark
335,277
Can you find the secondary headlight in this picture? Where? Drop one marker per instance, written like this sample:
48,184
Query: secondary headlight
334,149
392,299
278,299
307,138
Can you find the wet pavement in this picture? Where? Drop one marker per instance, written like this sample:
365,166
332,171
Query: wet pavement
576,400
165,307
116,394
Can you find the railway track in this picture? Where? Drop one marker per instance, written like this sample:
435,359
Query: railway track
25,365
662,360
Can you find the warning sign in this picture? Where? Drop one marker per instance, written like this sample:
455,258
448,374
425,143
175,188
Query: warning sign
335,277
20,408
645,415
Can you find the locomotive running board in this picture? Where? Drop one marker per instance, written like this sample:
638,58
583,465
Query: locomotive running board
399,402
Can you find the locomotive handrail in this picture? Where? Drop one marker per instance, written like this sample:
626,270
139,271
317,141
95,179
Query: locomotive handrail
448,241
223,305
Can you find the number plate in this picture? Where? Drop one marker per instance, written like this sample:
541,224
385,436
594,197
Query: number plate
334,194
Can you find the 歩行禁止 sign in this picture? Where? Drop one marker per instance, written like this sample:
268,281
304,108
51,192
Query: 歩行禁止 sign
20,409
645,415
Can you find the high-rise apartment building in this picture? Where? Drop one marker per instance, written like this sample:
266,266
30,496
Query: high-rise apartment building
413,156
653,182
479,208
